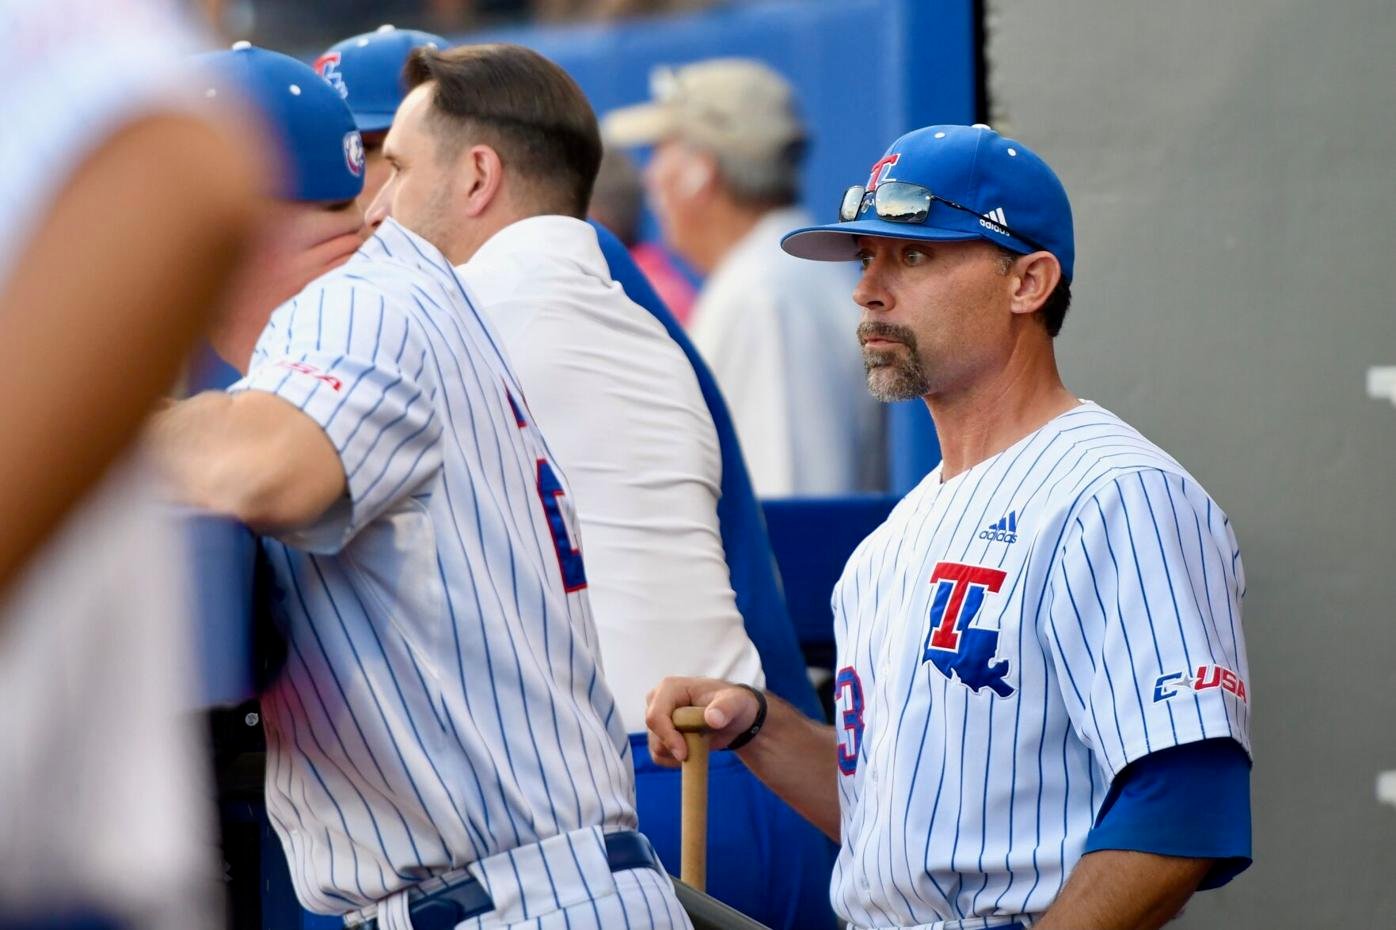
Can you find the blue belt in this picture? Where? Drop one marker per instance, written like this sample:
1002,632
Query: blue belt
443,908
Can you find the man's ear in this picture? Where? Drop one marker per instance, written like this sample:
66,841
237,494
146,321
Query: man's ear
483,179
697,174
1033,277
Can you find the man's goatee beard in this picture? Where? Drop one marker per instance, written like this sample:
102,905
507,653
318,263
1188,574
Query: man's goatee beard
893,374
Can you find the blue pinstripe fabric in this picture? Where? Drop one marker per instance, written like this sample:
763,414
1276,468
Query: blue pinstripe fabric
971,805
441,703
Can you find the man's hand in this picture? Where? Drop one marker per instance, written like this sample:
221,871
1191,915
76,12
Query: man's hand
729,712
794,756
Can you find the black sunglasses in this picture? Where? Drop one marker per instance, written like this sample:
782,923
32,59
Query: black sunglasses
903,202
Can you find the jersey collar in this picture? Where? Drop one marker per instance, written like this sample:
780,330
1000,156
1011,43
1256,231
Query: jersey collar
542,239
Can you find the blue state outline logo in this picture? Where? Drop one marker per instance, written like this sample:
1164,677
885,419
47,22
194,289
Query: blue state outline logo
955,646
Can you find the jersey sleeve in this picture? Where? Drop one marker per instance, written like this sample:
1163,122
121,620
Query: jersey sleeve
362,370
1144,620
1191,802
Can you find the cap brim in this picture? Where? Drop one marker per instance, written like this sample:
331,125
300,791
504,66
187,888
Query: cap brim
835,242
642,124
374,122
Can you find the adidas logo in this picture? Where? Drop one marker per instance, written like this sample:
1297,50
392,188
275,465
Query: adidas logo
995,220
1004,531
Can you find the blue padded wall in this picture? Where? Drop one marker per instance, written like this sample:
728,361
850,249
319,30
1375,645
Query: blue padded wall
866,71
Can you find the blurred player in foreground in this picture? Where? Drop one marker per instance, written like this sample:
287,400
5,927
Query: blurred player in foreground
442,751
70,169
106,278
496,150
1042,699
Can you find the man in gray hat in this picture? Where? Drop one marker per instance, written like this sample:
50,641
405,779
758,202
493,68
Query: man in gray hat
723,182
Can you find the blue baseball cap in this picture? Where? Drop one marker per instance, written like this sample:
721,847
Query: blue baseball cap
981,185
367,71
322,152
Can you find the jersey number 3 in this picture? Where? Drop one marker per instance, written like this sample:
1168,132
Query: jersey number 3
850,713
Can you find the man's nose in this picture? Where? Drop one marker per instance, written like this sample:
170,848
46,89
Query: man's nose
381,208
870,293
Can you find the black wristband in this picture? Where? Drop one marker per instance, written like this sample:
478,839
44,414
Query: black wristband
760,721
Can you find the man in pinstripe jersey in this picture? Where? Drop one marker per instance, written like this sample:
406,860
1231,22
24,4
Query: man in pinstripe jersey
442,751
1043,707
625,413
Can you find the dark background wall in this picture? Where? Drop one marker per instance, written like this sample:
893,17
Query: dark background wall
1231,166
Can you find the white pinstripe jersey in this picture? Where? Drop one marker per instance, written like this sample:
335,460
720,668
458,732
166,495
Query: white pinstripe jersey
1008,641
441,700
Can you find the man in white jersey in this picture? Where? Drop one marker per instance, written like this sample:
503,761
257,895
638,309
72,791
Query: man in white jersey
442,751
1042,694
105,279
614,394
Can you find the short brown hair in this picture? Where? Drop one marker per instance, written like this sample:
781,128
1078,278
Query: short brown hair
523,106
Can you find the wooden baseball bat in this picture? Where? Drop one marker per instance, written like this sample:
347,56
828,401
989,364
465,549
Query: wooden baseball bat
693,848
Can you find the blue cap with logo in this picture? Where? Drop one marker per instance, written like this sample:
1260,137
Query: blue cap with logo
951,184
367,71
322,152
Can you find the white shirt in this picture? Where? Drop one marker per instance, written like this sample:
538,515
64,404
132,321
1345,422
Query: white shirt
441,700
779,334
622,410
1008,642
103,793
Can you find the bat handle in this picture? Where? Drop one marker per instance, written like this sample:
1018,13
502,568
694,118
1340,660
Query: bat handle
693,855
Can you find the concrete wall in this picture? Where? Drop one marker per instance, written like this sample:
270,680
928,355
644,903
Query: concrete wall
1233,172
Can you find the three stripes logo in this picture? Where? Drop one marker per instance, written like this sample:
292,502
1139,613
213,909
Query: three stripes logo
1004,531
995,220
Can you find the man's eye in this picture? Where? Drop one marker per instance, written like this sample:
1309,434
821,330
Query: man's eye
864,260
914,256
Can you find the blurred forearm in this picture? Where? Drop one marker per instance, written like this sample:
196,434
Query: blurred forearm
797,758
103,307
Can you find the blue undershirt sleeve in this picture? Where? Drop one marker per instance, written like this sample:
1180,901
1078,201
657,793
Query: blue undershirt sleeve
1191,801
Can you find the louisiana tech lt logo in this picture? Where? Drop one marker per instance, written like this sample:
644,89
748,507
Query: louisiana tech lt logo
881,168
954,645
327,66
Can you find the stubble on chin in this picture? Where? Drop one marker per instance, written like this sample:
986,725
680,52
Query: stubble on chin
890,381
894,373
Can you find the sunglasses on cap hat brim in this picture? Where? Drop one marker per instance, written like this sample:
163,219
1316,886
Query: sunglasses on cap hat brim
892,210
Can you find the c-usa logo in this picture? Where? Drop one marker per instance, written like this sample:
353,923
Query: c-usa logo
354,152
